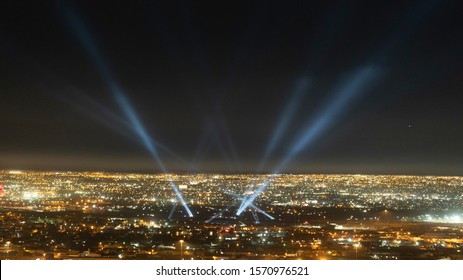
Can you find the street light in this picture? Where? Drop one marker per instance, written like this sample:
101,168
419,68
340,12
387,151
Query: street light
181,249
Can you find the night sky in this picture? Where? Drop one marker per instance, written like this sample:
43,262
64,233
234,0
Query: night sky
371,87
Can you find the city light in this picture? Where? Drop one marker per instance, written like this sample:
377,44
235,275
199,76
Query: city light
310,216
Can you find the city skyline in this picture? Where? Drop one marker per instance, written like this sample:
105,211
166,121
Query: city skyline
242,87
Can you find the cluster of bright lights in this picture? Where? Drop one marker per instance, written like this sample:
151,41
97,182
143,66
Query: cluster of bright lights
452,218
249,200
31,195
245,203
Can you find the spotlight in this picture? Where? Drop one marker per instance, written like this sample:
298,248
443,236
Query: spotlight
87,41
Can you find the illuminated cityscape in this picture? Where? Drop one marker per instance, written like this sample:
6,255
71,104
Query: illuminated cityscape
88,215
231,130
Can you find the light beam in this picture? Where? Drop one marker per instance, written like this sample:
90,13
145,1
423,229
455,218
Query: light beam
287,115
360,81
219,214
87,41
343,98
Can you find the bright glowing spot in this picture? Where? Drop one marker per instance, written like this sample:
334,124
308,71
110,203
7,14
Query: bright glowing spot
30,195
456,219
250,199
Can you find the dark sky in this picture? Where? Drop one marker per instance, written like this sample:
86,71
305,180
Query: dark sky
210,81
